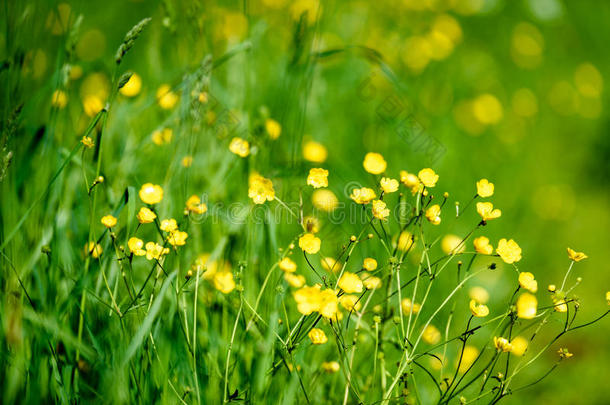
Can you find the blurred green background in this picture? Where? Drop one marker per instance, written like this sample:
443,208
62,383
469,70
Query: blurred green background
514,91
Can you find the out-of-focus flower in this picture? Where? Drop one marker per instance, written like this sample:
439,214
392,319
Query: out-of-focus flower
240,147
518,346
469,355
194,205
374,163
350,283
273,128
162,136
369,264
287,265
260,189
324,200
132,87
223,281
295,280
478,310
372,283
479,294
87,141
330,366
314,152
59,99
408,306
317,336
93,249
452,244
431,335
166,97
350,302
527,306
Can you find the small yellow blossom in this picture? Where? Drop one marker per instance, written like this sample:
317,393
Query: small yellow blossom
502,344
329,304
469,355
380,210
431,335
478,310
372,283
92,105
133,86
240,147
564,353
135,246
560,305
260,189
518,346
146,216
527,306
576,256
109,221
482,245
389,185
452,244
163,136
405,241
374,163
363,195
428,177
485,188
486,211
59,99
177,238
287,265
166,97
87,141
315,152
187,161
350,302
408,306
317,178
273,128
551,288
433,214
350,283
317,336
478,294
311,224
94,249
330,264
330,367
169,225
324,200
527,281
309,243
295,280
223,281
409,179
369,264
509,251
151,193
194,205
155,251
608,297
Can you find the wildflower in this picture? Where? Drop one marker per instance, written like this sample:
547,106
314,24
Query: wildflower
486,211
164,136
452,244
133,86
328,303
350,283
469,355
527,281
109,221
478,310
146,215
194,205
273,128
527,305
518,346
260,189
409,179
551,288
287,265
330,366
482,245
405,241
502,344
362,195
166,98
59,99
330,264
374,163
564,353
135,246
372,283
295,280
223,281
431,335
428,177
560,305
369,264
479,294
92,105
240,147
509,251
380,210
309,243
317,178
151,193
608,297
187,161
317,336
389,185
485,188
433,214
408,306
576,256
324,200
169,225
350,302
314,152
94,249
155,251
177,238
87,141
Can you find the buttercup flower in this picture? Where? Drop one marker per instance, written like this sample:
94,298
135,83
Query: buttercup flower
374,163
309,243
564,353
187,161
431,335
608,297
428,177
93,249
389,185
151,193
331,366
273,128
509,251
363,195
169,225
479,294
240,147
311,224
486,211
518,346
155,251
223,281
87,141
328,303
146,216
166,97
194,205
369,264
287,265
350,302
317,178
482,245
380,211
372,283
177,238
260,189
405,241
324,200
135,246
576,256
502,344
409,179
350,283
132,87
527,281
330,264
164,136
485,188
109,221
59,99
560,305
314,152
408,306
527,306
452,244
317,336
433,214
469,355
295,280
478,310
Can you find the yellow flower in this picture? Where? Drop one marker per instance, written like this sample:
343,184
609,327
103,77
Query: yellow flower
307,299
608,297
160,137
389,185
317,336
486,211
295,280
314,152
240,147
151,193
87,141
518,346
287,265
317,178
478,310
485,188
146,216
509,251
369,264
482,245
311,224
452,244
309,243
564,353
187,161
405,241
166,97
551,288
408,306
374,163
260,189
135,246
331,366
527,305
324,200
527,281
109,221
132,87
409,179
428,177
433,214
194,205
92,105
502,344
59,99
177,238
380,211
350,283
94,249
431,335
169,225
328,303
350,302
273,128
372,283
560,305
155,251
576,256
469,355
478,294
330,264
363,195
223,281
